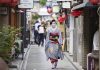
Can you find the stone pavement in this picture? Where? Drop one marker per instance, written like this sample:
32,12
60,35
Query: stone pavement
19,62
36,60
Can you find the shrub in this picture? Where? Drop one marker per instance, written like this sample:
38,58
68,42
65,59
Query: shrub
7,37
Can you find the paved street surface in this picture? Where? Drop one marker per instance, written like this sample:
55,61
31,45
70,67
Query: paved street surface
36,60
19,62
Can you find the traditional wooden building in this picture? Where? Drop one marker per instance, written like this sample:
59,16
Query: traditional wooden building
8,12
85,17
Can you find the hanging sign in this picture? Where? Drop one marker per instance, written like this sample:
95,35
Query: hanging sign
56,9
54,0
66,5
26,4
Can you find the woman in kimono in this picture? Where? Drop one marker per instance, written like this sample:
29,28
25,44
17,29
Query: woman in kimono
53,44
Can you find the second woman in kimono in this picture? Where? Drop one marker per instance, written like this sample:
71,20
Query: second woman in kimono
54,44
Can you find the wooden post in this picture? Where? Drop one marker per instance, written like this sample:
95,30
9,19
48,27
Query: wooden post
99,42
99,35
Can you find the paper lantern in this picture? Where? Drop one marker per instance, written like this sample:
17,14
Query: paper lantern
14,3
5,1
76,13
61,19
94,2
49,9
9,2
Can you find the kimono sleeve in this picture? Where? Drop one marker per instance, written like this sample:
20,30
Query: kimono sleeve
60,38
47,38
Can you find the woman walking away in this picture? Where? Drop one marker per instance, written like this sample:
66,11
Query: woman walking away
53,44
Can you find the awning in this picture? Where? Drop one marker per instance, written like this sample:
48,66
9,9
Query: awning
86,4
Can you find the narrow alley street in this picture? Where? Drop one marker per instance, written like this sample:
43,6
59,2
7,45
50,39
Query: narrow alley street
32,31
36,60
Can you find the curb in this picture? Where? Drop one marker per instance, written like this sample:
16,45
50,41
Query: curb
73,63
25,54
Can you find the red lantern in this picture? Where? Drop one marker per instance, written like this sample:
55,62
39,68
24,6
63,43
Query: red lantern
94,2
49,10
61,19
9,2
14,2
76,13
4,1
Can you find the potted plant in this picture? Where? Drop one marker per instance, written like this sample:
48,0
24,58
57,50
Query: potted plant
7,37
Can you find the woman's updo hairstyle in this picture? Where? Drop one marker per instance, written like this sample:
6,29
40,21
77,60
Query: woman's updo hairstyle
52,22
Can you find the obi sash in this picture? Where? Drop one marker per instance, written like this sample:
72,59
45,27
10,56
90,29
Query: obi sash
54,37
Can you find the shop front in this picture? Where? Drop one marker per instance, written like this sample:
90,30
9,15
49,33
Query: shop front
7,8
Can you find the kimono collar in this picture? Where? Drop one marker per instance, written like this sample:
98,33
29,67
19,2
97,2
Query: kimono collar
53,29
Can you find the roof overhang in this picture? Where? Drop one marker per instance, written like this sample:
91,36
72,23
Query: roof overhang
86,4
